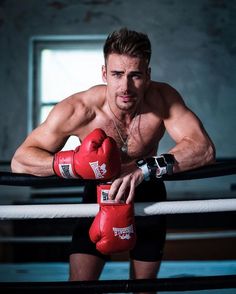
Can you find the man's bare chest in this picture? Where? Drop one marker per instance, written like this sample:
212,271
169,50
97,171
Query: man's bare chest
140,140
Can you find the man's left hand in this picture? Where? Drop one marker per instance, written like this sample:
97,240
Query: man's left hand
123,187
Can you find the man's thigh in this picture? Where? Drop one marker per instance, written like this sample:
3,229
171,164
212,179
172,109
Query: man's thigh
85,267
144,269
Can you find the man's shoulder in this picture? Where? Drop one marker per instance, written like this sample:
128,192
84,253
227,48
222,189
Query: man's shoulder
79,105
161,97
164,91
91,96
87,99
158,92
161,87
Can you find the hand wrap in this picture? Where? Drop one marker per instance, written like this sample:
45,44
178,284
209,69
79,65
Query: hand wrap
156,166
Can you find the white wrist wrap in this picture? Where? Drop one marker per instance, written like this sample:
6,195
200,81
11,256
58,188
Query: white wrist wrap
145,171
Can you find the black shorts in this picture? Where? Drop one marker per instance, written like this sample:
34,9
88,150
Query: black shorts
150,230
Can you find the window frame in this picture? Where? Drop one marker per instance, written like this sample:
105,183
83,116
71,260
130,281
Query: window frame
36,45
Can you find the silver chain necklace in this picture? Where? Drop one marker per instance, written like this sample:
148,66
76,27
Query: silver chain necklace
124,147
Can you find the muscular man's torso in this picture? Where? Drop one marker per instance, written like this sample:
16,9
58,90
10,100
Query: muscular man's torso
146,128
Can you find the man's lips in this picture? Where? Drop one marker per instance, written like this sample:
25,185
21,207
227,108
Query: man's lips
127,98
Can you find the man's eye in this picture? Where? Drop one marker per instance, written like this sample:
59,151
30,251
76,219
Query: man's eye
136,77
116,74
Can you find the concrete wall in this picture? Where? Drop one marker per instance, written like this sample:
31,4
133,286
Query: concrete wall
193,43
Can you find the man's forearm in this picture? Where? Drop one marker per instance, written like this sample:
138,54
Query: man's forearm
33,161
190,154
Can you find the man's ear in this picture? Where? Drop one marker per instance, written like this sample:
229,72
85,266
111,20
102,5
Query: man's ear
149,73
148,77
104,73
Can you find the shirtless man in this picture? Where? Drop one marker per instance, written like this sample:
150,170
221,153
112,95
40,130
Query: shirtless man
136,112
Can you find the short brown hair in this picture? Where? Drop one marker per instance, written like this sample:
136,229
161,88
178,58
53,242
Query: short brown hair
128,42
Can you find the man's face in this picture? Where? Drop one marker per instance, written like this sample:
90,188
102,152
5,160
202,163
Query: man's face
127,79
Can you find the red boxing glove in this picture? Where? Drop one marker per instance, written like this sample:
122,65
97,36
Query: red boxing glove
113,229
97,157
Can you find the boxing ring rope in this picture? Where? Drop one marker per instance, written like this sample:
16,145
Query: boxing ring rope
141,209
89,210
122,286
221,168
78,210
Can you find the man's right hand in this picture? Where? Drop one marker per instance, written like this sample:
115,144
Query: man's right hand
97,157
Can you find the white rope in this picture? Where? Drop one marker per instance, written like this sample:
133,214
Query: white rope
191,206
90,210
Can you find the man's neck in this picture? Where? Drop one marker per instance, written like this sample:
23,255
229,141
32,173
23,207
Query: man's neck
124,116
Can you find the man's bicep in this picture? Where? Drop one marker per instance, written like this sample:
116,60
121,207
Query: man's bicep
46,138
185,124
53,133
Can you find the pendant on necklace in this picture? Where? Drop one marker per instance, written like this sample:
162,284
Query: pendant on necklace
124,148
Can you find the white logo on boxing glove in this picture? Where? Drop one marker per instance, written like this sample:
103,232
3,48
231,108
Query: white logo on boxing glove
124,233
99,170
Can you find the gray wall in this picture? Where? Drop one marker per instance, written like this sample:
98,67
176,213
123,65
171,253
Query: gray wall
193,43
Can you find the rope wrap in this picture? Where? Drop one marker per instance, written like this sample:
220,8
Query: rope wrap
221,168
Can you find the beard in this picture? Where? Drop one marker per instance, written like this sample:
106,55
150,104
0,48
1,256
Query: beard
126,103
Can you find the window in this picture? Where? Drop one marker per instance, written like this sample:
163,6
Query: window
61,67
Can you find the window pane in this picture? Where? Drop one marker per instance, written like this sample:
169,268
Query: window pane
44,112
64,72
65,67
71,143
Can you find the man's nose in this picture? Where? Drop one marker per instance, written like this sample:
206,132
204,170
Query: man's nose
126,84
